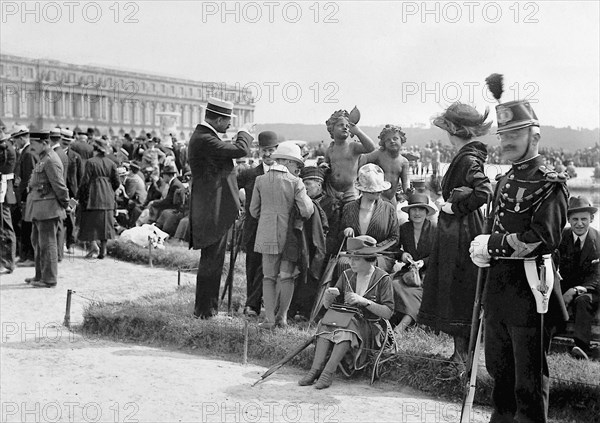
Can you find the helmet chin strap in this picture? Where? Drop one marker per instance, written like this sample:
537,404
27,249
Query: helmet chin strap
529,138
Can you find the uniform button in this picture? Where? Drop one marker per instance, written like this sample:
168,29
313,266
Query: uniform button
501,214
504,251
507,186
505,195
496,232
511,177
497,251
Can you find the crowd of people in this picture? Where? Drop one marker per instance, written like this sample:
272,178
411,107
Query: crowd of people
401,254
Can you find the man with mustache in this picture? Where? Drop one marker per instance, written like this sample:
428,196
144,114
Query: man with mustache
529,212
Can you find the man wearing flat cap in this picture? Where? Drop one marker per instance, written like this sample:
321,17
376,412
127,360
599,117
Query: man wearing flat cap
580,269
267,144
55,140
522,298
214,203
26,161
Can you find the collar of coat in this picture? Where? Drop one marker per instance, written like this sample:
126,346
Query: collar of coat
279,167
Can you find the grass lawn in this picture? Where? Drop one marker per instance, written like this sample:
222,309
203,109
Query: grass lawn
166,320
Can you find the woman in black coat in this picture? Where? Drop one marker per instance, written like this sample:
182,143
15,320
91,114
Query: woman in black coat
97,199
449,286
417,237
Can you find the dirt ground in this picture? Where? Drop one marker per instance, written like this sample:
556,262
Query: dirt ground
49,374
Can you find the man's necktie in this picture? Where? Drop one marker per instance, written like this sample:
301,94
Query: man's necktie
577,255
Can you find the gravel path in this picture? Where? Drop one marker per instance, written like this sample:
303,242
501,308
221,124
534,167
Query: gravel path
49,374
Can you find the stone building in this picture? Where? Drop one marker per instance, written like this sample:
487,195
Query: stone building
44,93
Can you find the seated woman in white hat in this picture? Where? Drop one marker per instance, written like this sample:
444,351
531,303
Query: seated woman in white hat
416,243
366,287
370,214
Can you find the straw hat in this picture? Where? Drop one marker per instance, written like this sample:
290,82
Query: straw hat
419,200
371,179
365,246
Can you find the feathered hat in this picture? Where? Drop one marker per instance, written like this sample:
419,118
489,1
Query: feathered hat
514,114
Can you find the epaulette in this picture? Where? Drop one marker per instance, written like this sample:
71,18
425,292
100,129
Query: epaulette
551,175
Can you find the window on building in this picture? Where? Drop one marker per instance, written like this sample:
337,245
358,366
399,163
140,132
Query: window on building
2,70
172,89
143,86
153,87
29,72
163,88
180,90
15,71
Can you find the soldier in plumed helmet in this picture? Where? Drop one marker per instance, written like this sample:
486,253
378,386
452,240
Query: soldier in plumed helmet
522,297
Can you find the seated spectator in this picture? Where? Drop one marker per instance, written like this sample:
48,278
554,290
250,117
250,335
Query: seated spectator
580,269
416,240
365,287
169,178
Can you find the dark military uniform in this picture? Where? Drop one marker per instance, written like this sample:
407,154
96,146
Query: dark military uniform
46,203
530,210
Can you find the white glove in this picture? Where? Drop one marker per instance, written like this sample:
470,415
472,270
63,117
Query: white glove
447,208
479,251
419,263
398,266
349,232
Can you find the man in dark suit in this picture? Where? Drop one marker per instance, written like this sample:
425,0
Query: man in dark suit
26,162
74,176
267,144
8,159
580,269
159,207
47,202
83,147
214,203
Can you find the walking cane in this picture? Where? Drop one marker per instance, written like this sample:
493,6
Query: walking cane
284,360
476,333
235,248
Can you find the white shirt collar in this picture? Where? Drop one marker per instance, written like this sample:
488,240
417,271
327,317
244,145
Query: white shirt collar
209,126
266,168
582,237
24,147
279,167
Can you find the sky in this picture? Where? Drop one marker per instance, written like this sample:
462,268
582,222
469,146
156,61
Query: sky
400,62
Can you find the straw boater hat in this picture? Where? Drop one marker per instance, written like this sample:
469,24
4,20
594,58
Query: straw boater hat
371,179
288,150
580,204
102,145
66,134
463,121
512,115
220,107
19,130
419,200
365,246
55,133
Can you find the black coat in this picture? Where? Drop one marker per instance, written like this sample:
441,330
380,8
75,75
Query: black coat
450,281
246,180
586,271
214,202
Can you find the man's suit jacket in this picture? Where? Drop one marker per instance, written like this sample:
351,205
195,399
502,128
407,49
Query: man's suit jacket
167,202
586,272
246,179
63,159
25,165
85,150
214,203
74,172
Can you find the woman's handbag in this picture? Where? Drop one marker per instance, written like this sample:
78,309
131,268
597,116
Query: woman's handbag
412,278
339,315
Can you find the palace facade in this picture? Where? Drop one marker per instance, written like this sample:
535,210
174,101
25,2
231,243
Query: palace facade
44,93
